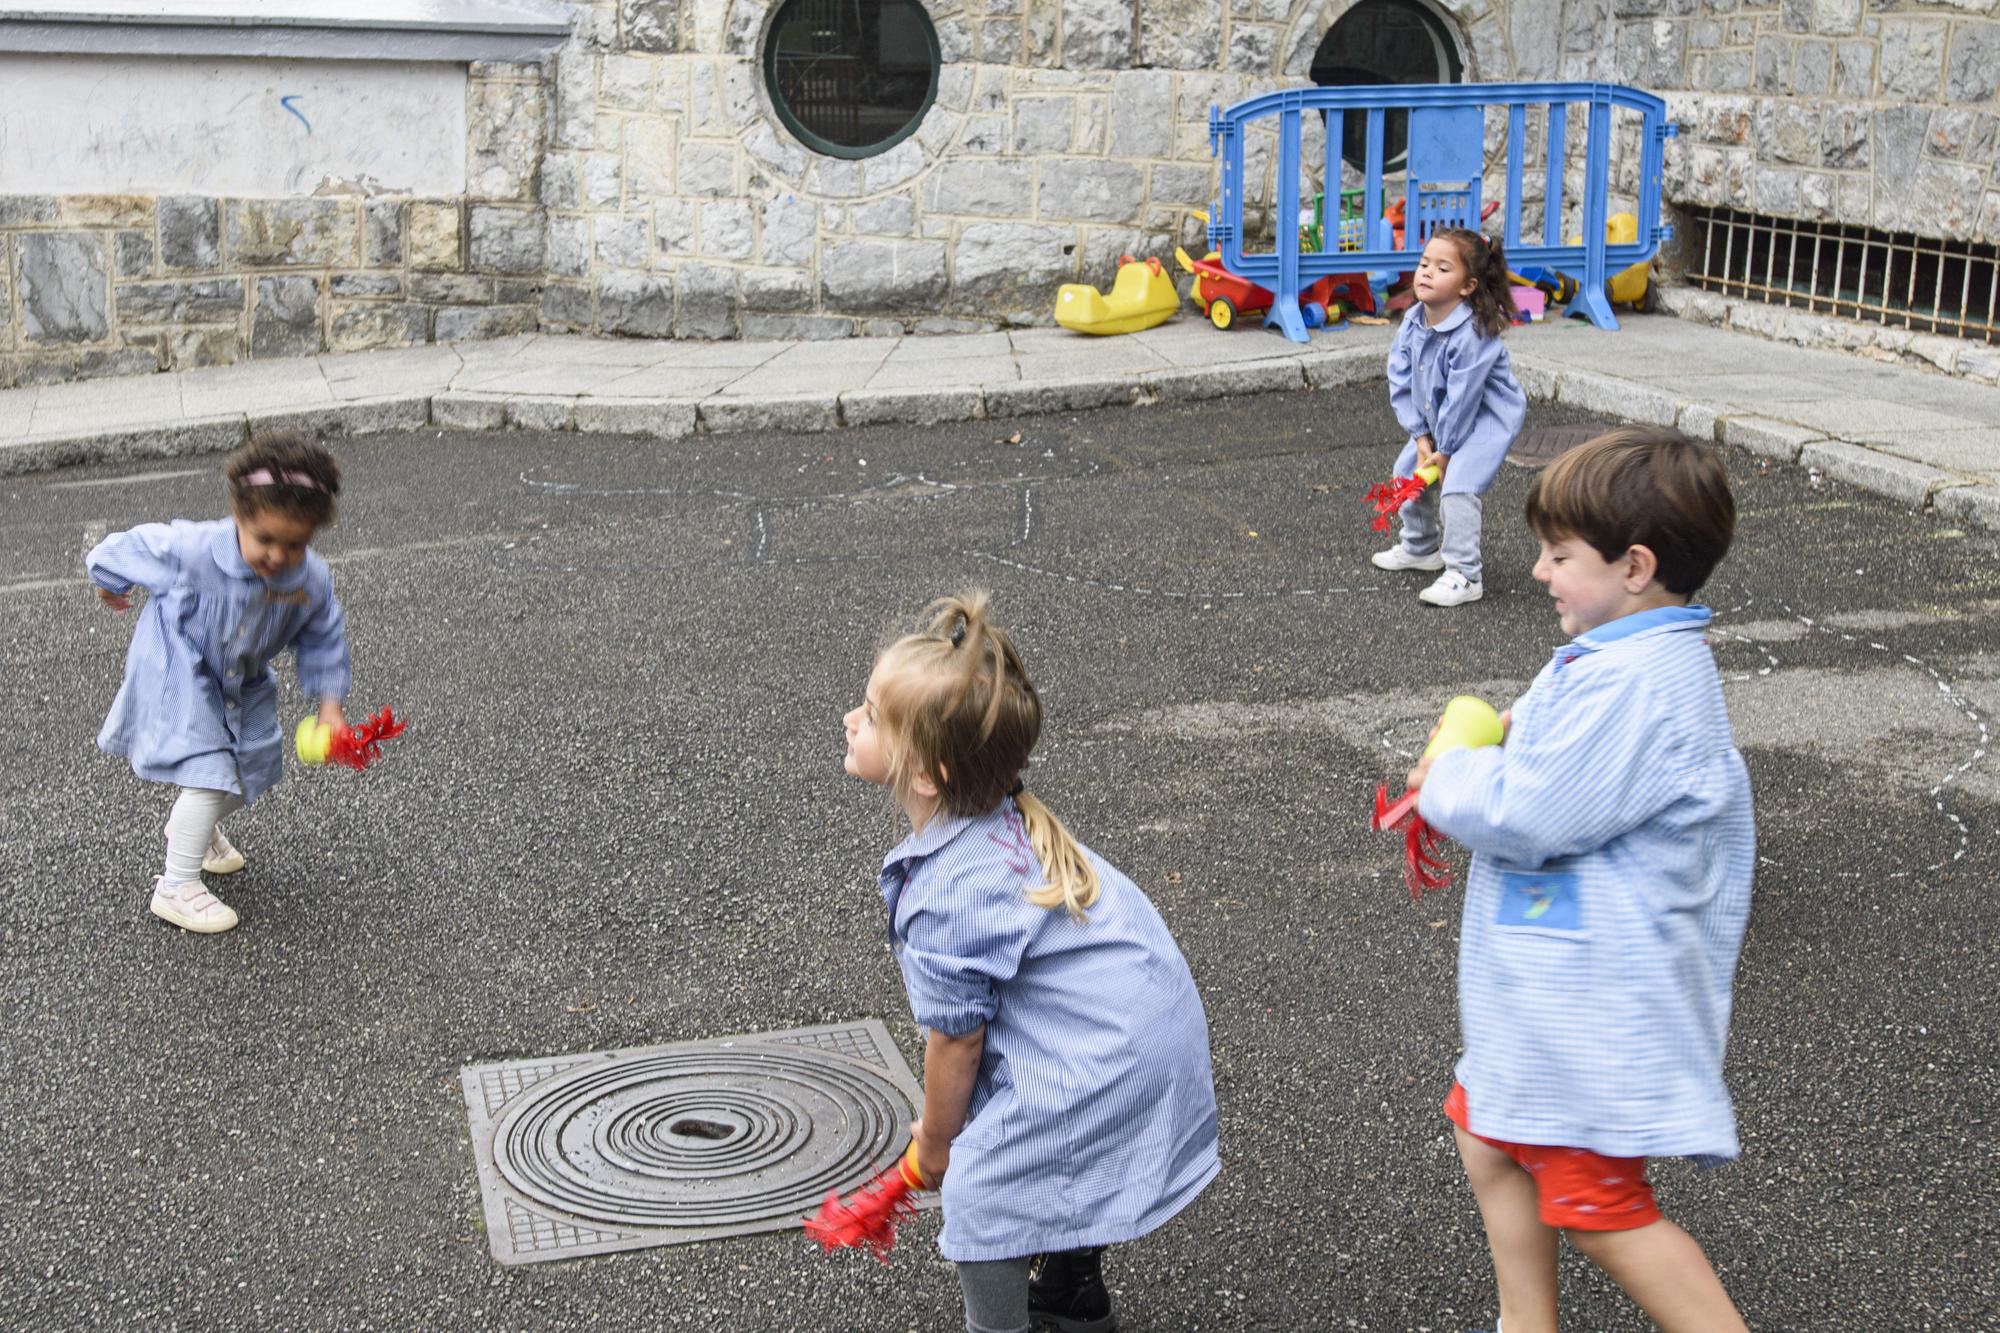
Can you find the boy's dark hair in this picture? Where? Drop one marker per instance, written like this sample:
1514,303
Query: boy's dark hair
1493,299
283,471
1645,486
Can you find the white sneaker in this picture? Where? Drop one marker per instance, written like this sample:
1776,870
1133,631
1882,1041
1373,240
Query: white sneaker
191,907
1451,589
221,858
1398,558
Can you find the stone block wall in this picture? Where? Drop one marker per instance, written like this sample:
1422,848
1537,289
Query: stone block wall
638,182
678,203
126,284
1873,113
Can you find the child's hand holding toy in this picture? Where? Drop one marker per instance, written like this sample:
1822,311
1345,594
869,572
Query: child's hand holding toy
1391,495
930,1159
1428,457
1467,724
329,738
1416,777
870,1215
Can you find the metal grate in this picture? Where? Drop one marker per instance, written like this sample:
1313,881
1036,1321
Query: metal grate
851,77
820,82
661,1145
1545,444
1895,279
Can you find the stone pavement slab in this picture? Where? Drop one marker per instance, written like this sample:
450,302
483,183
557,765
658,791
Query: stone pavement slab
1760,386
1954,450
1055,363
17,414
71,409
959,347
248,388
1904,432
943,373
668,381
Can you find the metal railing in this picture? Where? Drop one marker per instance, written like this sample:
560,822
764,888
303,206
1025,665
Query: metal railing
1443,182
1894,279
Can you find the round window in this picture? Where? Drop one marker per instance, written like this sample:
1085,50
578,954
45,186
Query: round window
1384,41
851,78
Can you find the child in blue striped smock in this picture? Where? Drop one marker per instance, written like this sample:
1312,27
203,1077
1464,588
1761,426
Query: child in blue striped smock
1613,848
1453,391
1068,1103
198,707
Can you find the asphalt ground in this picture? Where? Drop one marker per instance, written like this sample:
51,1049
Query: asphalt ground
619,818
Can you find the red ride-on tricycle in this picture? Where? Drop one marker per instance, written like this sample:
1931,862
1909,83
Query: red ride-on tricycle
1224,297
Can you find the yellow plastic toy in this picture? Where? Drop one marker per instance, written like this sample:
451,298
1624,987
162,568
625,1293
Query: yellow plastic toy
1631,286
311,739
355,746
1468,723
1141,296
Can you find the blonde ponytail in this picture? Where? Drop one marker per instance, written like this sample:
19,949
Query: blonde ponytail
962,715
1072,880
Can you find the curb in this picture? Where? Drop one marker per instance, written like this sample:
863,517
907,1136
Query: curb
1918,485
1960,358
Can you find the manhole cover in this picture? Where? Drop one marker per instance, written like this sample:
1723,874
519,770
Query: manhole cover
657,1145
1544,444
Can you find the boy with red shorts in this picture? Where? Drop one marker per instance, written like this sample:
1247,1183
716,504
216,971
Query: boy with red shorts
1613,849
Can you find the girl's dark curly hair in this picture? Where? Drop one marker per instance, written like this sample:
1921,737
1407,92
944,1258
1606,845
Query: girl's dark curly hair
284,472
1493,299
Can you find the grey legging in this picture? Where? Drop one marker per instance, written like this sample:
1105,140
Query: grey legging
1459,540
996,1295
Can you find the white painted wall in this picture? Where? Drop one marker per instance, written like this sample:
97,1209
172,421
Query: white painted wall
150,125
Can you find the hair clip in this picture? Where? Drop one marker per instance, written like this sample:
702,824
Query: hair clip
305,481
1015,790
958,633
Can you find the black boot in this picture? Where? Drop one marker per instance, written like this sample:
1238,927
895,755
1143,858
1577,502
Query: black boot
1066,1292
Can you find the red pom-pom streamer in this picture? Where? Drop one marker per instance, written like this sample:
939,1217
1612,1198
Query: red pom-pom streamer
361,744
868,1216
1423,867
1391,495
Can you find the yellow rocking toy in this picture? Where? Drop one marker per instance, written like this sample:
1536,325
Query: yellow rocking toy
1141,296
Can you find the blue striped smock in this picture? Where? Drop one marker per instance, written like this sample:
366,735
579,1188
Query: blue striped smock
1613,851
1092,1120
198,706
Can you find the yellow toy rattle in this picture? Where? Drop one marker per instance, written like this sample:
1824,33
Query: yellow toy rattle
1468,723
355,748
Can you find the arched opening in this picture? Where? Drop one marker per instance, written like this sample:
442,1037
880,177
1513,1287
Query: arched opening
1382,42
851,78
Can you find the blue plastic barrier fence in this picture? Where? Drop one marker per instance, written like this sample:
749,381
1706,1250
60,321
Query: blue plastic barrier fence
1446,167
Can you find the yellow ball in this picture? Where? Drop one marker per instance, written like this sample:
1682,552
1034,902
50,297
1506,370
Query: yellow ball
1467,724
311,740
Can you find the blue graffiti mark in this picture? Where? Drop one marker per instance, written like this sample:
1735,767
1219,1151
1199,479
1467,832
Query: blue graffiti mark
286,102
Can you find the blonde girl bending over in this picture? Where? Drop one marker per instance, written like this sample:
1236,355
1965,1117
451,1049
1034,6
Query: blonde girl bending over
1068,1103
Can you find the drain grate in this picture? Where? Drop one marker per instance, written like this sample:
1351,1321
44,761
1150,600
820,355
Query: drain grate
1544,444
660,1145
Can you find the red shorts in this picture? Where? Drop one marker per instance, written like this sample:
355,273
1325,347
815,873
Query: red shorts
1576,1188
